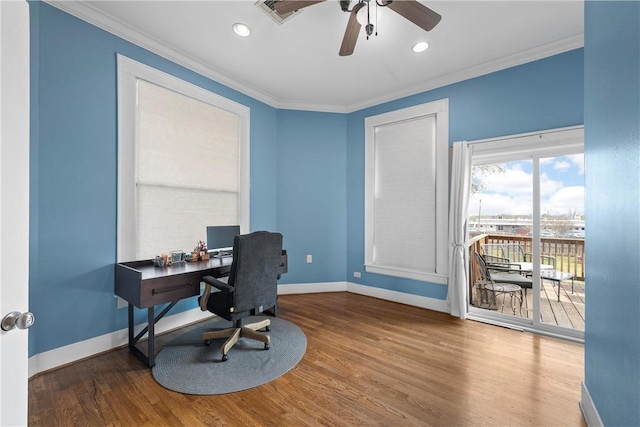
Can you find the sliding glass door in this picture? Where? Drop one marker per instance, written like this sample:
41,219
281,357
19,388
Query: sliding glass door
526,232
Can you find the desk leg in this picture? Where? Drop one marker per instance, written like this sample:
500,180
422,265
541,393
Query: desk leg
132,342
151,341
150,358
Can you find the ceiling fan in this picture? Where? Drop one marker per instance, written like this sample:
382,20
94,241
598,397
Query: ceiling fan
415,12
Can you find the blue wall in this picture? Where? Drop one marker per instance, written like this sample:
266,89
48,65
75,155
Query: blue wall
307,169
312,194
74,170
612,146
544,94
298,167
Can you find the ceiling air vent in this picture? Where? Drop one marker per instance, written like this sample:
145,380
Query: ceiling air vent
268,7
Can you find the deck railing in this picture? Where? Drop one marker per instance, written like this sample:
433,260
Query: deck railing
568,252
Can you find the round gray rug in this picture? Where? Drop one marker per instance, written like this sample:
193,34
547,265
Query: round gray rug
187,366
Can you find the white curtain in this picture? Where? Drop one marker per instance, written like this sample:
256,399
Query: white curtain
458,251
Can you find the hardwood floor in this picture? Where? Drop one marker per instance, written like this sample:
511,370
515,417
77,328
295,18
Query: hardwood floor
368,362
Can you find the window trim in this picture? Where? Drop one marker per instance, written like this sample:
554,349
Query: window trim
128,71
440,109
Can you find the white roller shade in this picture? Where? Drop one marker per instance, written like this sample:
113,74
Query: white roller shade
187,169
404,201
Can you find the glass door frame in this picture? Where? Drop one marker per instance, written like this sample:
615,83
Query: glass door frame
531,146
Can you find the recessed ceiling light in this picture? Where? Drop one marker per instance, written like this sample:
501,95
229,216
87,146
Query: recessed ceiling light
420,47
241,29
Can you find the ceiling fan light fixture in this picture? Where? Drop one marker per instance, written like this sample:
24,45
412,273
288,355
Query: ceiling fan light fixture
420,47
241,29
367,14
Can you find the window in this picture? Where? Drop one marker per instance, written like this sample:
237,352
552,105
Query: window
537,181
406,192
183,162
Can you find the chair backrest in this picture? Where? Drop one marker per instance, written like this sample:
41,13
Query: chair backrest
513,251
254,270
483,273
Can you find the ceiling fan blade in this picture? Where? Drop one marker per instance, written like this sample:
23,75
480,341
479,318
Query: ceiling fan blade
286,6
415,12
351,33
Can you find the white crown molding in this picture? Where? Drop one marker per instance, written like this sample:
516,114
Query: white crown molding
540,52
83,10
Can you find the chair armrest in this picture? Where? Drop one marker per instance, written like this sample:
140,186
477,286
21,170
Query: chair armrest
544,259
501,264
548,259
209,283
218,284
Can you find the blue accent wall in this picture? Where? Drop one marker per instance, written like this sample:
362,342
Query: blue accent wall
312,194
540,95
74,175
307,169
612,147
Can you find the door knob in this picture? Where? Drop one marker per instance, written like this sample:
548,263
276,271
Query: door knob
17,319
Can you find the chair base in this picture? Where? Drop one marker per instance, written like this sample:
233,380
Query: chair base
234,334
504,289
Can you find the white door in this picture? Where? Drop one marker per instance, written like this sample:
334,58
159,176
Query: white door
529,194
14,206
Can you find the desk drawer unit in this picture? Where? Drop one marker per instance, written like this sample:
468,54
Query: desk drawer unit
168,289
152,291
144,285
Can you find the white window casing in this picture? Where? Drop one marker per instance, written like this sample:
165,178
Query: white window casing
183,162
406,192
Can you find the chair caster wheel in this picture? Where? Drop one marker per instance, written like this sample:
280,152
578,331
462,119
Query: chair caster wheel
207,342
224,357
266,346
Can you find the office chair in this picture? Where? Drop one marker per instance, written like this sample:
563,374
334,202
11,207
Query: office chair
251,289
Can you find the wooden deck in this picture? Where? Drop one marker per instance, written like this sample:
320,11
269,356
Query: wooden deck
568,313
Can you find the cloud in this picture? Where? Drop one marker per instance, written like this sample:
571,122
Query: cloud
564,201
511,192
515,181
500,204
578,161
561,166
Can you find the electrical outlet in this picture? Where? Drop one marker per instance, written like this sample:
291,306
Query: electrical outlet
121,303
309,259
356,274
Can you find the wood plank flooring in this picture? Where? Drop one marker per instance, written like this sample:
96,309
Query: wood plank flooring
368,362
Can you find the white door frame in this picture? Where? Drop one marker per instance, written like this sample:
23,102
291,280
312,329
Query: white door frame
14,206
532,146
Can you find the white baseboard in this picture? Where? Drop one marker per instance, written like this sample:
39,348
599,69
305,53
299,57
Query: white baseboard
73,352
589,411
80,350
385,294
312,288
401,297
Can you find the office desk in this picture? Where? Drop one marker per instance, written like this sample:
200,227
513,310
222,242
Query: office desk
143,285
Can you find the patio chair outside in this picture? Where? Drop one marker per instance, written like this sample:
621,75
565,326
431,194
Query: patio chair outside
511,253
487,288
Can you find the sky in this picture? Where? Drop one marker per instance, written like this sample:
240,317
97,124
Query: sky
510,193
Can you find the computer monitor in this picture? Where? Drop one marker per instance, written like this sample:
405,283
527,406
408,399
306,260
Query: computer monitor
220,237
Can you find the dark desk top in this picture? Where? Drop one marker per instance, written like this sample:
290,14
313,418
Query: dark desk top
149,271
